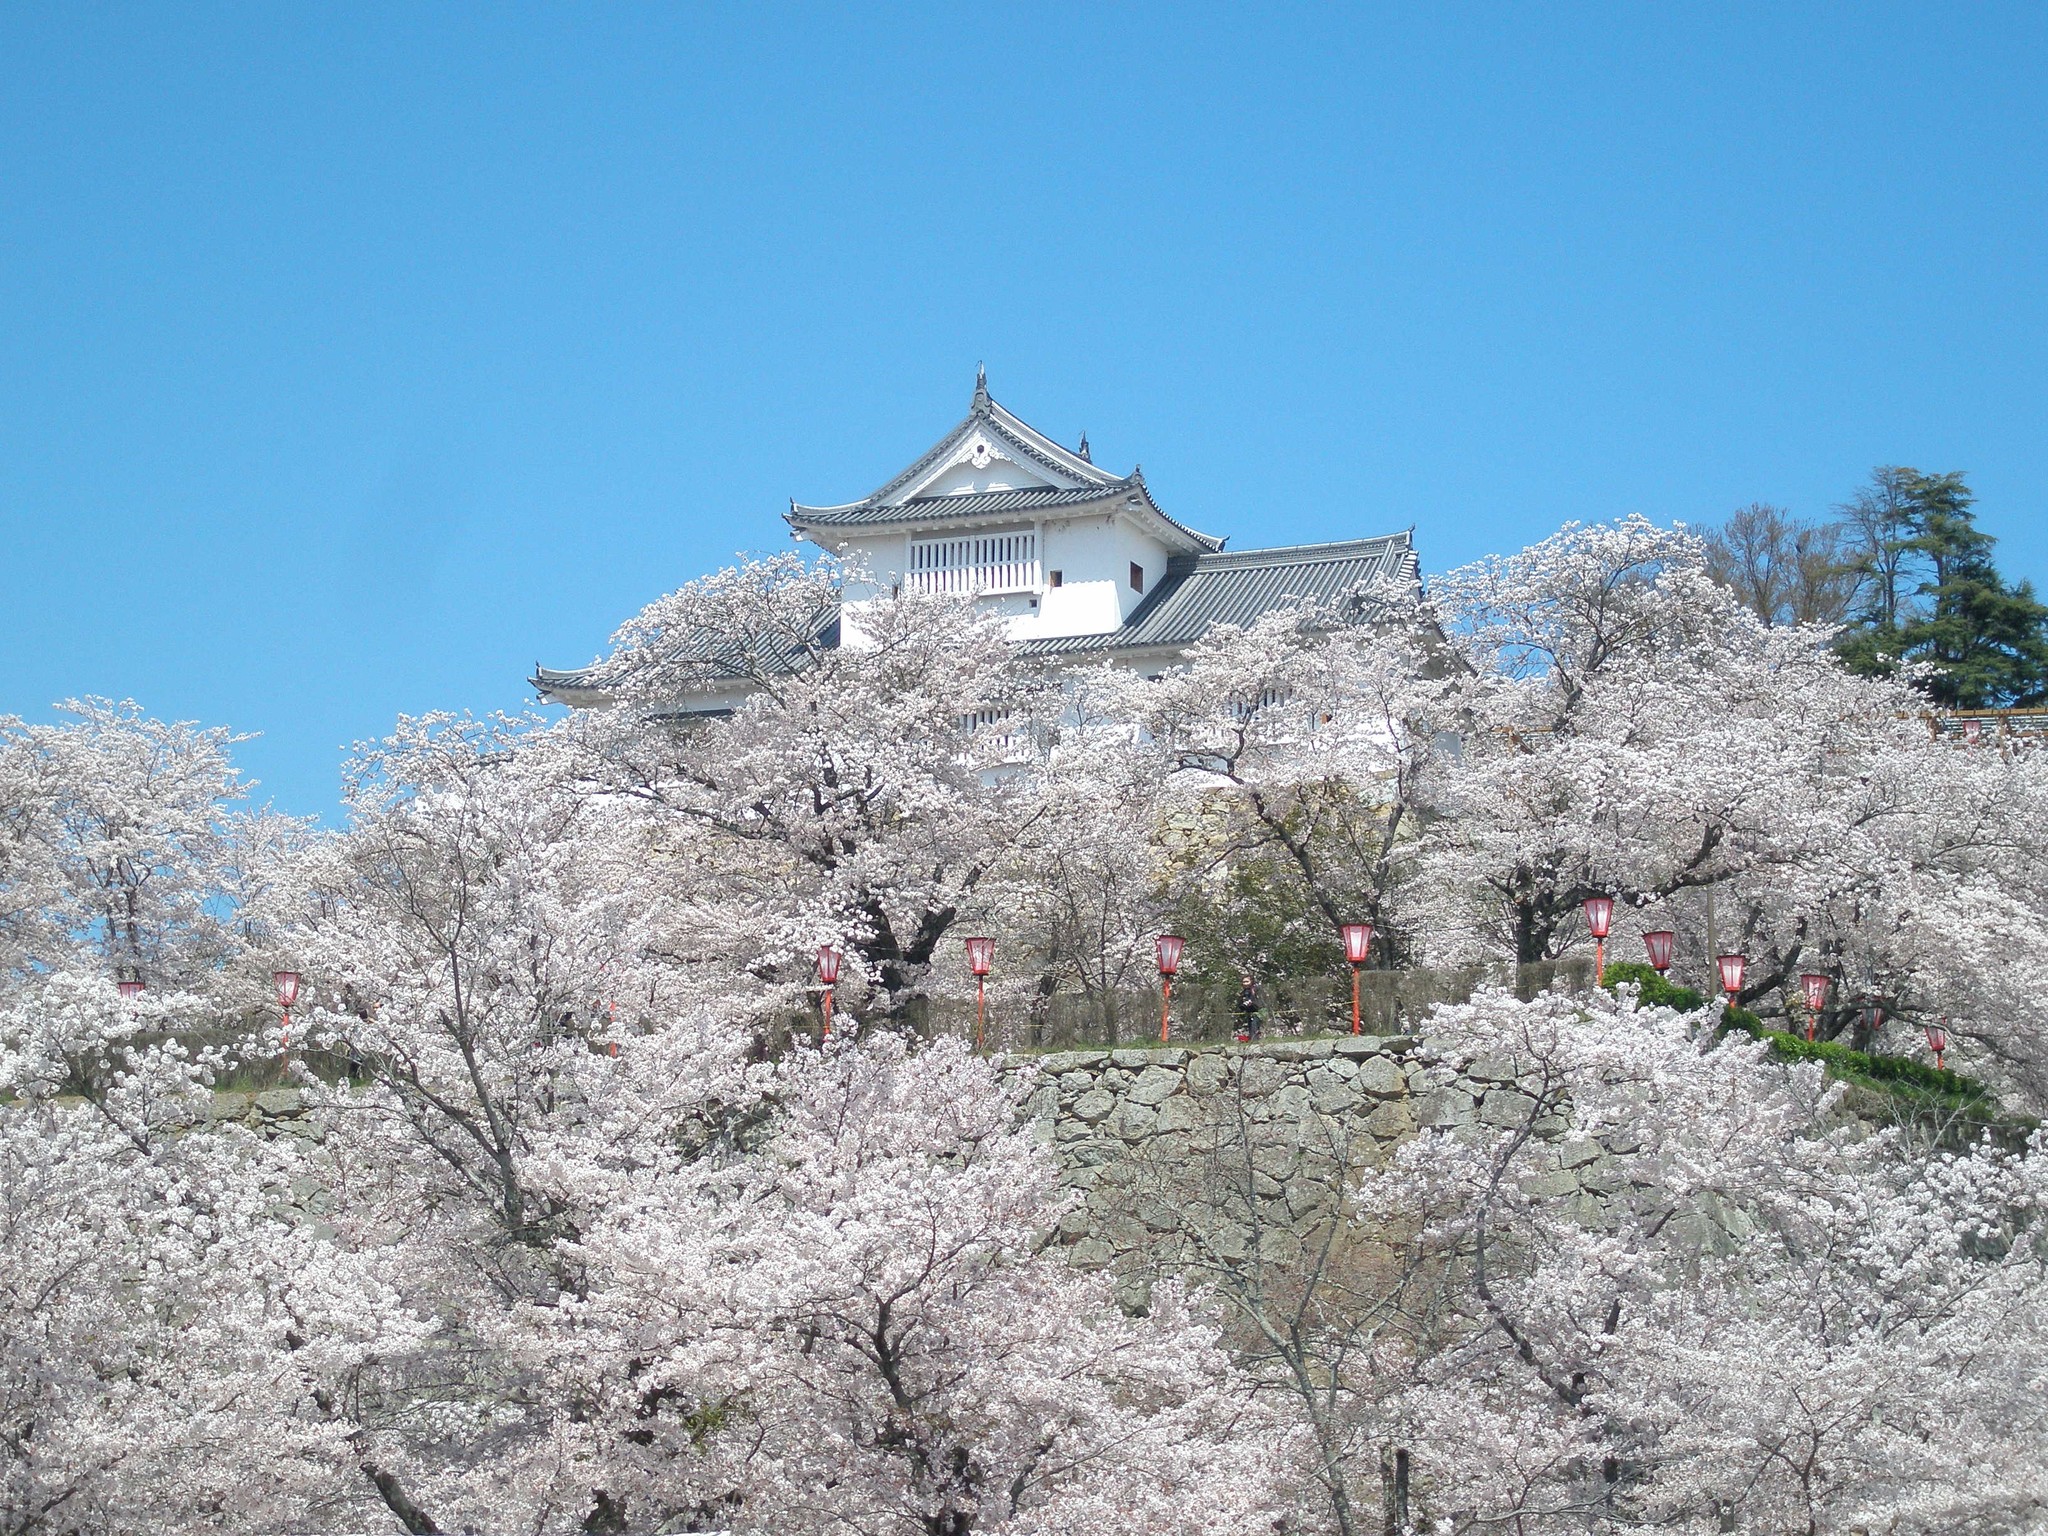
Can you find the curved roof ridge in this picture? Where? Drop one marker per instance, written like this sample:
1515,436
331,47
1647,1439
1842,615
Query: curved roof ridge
1075,493
952,504
1054,456
1199,593
1304,554
986,411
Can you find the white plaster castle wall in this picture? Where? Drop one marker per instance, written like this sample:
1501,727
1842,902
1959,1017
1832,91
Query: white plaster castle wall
997,474
1094,556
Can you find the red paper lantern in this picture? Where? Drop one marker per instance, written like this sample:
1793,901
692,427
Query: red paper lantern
1816,990
1166,950
132,989
1357,942
828,964
1732,967
287,987
1659,946
1599,915
1937,1040
981,955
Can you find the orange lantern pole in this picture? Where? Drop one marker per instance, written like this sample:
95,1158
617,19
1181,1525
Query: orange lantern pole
1731,968
1599,918
828,973
981,958
287,984
1357,945
1166,950
1937,1040
1816,988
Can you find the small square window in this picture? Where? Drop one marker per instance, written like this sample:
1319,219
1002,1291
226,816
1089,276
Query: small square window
1054,578
1137,577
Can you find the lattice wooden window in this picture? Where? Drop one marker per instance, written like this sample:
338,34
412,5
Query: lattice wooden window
981,562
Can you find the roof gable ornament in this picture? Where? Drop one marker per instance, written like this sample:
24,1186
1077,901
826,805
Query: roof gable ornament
1083,449
991,464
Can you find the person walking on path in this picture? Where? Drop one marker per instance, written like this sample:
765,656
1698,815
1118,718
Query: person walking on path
1251,1020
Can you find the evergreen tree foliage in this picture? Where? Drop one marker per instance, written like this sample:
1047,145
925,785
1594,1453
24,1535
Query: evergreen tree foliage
1979,641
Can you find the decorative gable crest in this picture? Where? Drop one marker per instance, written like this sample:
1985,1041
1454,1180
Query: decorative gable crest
993,464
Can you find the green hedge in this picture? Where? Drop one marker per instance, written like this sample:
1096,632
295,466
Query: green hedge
1890,1072
1655,991
1884,1071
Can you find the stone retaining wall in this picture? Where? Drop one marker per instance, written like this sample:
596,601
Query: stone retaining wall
1216,1155
1199,1155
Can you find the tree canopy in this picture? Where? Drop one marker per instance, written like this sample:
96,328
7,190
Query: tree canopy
575,1224
1908,574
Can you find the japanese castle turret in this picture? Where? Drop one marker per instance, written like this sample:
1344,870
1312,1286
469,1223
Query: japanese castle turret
1081,562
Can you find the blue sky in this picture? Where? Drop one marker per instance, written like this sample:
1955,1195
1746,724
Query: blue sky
353,359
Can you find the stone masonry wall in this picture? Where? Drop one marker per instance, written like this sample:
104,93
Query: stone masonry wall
1195,1155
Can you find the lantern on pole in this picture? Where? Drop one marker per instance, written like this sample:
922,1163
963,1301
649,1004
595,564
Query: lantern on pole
1357,945
1816,987
1659,945
287,984
132,989
828,975
1166,951
1731,968
981,958
1937,1040
1599,918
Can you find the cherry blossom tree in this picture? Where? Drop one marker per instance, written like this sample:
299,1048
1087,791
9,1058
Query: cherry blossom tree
638,1276
1629,729
1692,1291
150,1261
894,1349
1306,737
560,1229
116,835
857,793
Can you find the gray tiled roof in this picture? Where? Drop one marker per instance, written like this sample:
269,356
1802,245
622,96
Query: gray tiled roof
1034,499
919,509
1199,592
889,505
707,664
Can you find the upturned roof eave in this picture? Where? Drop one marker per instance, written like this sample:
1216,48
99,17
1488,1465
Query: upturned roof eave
984,409
1127,494
986,412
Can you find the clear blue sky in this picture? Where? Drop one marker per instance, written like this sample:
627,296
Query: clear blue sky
352,359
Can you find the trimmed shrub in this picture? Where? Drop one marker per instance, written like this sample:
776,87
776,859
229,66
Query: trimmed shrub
1654,990
1888,1072
1885,1071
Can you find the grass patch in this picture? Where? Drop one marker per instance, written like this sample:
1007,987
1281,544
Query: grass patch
1898,1076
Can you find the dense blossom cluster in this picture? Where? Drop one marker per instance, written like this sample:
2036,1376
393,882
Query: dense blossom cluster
568,1234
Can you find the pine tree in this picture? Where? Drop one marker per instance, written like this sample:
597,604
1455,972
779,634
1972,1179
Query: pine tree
1986,639
1983,641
